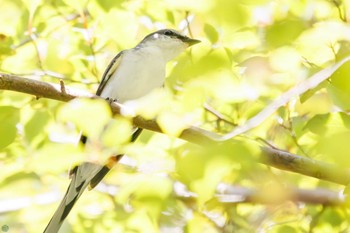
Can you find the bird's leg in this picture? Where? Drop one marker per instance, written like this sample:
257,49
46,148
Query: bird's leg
111,100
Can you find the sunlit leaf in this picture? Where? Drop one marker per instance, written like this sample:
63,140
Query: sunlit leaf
36,125
171,123
340,87
117,132
90,116
284,32
9,117
211,33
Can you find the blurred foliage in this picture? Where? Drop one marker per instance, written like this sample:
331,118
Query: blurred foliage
251,52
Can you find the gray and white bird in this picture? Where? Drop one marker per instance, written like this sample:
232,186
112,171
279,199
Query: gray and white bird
132,74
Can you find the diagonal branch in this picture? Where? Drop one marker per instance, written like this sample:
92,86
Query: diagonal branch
283,99
272,157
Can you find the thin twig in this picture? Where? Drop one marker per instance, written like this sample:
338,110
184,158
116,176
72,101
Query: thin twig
217,114
187,13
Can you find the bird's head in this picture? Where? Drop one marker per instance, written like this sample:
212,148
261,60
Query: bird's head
169,41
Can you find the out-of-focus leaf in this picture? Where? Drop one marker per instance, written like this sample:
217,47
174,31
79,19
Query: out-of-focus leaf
199,223
317,45
13,17
78,5
340,86
117,132
17,177
332,216
343,50
171,123
141,222
170,16
229,12
211,33
345,119
108,4
305,96
316,103
191,165
286,229
203,169
285,59
318,124
21,182
141,196
284,32
91,116
335,147
126,30
5,45
9,117
36,125
185,5
56,158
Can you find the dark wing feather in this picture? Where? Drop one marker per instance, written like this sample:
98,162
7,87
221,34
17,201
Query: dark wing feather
113,65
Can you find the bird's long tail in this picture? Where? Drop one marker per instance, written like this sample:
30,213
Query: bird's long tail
85,175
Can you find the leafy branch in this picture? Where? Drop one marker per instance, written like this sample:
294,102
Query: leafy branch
269,156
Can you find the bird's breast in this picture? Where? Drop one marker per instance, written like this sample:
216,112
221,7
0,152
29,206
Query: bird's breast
138,74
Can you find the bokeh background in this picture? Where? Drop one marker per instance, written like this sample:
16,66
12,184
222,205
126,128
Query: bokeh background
252,51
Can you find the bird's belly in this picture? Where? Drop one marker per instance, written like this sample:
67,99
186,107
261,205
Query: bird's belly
135,82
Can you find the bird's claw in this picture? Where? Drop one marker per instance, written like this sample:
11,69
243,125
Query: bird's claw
111,100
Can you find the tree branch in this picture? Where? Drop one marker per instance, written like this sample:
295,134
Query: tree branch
234,195
269,156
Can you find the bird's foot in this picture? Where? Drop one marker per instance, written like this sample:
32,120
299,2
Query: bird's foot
111,100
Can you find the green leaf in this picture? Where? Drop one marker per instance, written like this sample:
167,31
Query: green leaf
286,229
318,124
5,45
305,96
339,88
117,132
211,33
170,17
9,117
332,216
90,115
284,32
36,125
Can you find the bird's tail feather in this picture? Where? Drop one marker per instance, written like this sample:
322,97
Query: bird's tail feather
83,176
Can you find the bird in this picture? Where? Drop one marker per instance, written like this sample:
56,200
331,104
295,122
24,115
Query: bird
132,74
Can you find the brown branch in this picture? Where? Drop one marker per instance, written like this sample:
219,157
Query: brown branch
233,195
39,88
230,195
270,156
294,163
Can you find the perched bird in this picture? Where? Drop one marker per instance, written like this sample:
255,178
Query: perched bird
132,74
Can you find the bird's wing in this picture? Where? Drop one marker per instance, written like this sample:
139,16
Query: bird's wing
113,65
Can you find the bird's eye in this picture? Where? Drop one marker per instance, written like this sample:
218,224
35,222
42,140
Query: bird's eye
168,33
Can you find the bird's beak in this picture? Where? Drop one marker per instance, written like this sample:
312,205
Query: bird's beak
190,41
